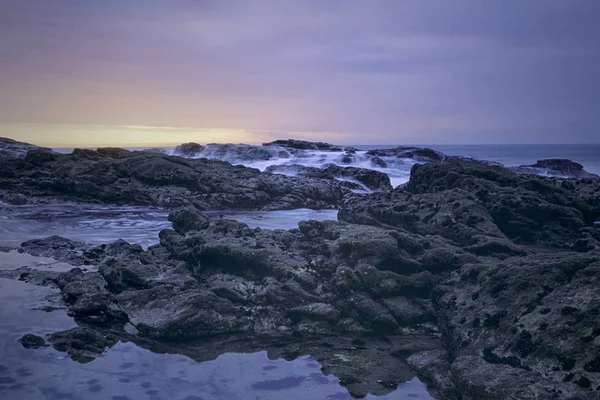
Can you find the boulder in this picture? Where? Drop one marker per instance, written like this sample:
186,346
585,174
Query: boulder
10,148
304,145
415,153
189,149
556,167
30,341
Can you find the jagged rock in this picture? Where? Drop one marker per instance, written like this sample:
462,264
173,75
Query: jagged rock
434,366
170,315
59,248
189,149
534,316
416,153
409,311
82,344
15,199
10,148
484,209
238,153
30,341
304,145
316,312
117,176
555,167
188,219
371,179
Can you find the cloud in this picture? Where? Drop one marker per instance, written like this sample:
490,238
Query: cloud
467,71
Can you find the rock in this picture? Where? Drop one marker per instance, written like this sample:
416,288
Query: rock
164,314
10,148
82,344
188,219
30,341
315,312
555,167
303,145
534,317
39,156
378,162
120,276
116,176
189,149
505,267
409,312
57,247
416,153
434,366
486,209
237,153
76,283
373,180
371,311
14,199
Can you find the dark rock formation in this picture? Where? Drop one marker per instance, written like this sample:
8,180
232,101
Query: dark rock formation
237,153
30,341
82,344
373,180
189,149
304,145
416,153
122,177
530,321
10,148
220,277
484,209
555,167
504,267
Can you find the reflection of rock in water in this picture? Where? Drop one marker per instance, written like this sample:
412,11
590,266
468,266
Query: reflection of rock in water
362,364
302,365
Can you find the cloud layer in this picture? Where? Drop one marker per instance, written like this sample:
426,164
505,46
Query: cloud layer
468,71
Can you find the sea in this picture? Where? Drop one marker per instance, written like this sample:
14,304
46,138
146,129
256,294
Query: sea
128,372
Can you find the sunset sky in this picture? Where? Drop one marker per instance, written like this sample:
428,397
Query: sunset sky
150,72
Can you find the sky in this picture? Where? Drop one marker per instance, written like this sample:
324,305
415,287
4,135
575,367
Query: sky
150,72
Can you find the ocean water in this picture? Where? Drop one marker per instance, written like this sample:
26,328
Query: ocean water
138,225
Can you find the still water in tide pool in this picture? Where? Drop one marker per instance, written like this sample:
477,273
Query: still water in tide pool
127,371
102,224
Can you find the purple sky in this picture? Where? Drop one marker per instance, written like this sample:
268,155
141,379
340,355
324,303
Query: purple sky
368,71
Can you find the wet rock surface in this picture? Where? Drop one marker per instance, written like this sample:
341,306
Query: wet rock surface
485,209
556,167
304,145
189,149
373,180
416,153
536,316
482,280
13,149
117,176
30,341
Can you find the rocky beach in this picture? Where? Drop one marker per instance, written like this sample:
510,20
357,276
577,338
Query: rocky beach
480,280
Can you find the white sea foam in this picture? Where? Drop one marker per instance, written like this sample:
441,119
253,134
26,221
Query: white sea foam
262,157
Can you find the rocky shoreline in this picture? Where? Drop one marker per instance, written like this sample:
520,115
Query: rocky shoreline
483,281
